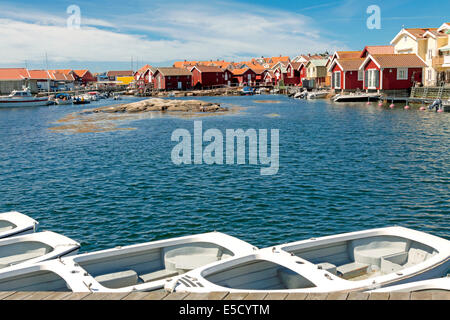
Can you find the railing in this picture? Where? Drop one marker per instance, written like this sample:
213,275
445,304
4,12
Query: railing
440,60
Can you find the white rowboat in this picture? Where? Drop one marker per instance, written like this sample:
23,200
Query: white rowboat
141,267
356,261
15,223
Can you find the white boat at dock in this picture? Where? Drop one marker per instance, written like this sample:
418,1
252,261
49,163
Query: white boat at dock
141,267
15,223
317,95
22,98
19,251
425,285
356,261
356,97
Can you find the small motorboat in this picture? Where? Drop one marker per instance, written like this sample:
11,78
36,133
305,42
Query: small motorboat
317,95
22,98
247,91
141,267
32,248
301,95
15,223
425,285
356,261
63,99
81,100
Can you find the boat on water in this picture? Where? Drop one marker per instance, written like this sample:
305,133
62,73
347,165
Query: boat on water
356,261
246,91
15,223
22,98
317,95
63,99
141,267
32,248
425,285
356,97
301,95
81,100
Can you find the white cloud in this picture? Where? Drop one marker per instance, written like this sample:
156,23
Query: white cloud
163,34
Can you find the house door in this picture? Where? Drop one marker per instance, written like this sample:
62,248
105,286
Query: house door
180,85
372,78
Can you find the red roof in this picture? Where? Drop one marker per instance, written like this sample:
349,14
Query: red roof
398,61
378,50
125,73
202,68
39,74
14,74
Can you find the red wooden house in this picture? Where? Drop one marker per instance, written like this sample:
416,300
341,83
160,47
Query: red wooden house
302,73
345,74
292,75
227,76
84,77
172,79
244,76
144,77
207,76
392,71
269,77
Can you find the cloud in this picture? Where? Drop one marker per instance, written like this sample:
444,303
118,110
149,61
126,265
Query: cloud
163,33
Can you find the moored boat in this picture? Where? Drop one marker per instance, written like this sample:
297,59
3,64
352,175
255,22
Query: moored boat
356,261
23,250
22,98
247,91
63,99
15,223
424,285
141,267
317,95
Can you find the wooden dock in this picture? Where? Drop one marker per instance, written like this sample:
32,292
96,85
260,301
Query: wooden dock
162,295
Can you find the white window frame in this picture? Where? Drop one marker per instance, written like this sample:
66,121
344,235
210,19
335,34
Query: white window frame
337,75
402,73
360,75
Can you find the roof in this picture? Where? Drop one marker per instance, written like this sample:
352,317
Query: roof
415,33
81,73
14,74
170,71
238,72
124,73
348,54
397,60
318,62
378,50
202,68
39,74
349,64
296,65
58,76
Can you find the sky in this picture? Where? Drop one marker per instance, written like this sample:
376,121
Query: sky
120,35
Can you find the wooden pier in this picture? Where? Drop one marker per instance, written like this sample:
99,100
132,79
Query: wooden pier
162,295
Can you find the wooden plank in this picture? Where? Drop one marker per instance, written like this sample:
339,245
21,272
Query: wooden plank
337,296
175,296
276,296
358,296
255,296
76,296
379,296
296,296
197,296
155,295
217,295
421,295
317,296
38,295
6,294
114,296
441,295
236,296
57,295
399,295
18,295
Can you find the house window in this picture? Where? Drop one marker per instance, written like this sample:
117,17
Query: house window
405,38
430,54
337,79
430,75
402,74
372,78
360,75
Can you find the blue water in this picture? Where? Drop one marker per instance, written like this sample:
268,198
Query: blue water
343,167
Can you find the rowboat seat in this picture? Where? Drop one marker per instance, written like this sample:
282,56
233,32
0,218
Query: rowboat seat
331,268
118,279
352,270
158,275
22,257
187,258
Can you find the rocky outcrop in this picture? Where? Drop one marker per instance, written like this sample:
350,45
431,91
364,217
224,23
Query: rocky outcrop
164,105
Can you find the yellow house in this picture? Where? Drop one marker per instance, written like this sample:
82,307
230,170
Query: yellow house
125,80
316,69
430,45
